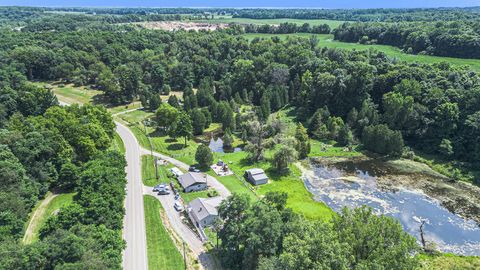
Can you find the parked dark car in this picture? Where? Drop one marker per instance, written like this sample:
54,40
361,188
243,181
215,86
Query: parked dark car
163,192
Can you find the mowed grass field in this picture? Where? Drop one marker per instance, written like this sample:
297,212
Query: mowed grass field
161,250
326,40
228,19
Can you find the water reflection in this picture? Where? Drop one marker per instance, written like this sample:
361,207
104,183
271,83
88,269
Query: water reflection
216,145
450,232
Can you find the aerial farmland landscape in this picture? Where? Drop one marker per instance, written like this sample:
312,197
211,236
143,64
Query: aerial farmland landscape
243,135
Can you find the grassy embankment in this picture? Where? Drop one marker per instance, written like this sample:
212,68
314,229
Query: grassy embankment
326,40
42,211
161,250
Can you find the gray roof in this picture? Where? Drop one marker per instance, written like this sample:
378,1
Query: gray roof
204,207
257,174
191,178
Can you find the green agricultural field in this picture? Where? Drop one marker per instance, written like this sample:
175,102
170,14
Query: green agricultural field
326,40
44,209
224,19
161,250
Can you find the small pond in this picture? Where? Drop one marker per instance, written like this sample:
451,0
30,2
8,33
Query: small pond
450,232
216,145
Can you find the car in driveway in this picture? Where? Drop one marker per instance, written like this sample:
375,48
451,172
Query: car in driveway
163,191
178,206
193,169
159,187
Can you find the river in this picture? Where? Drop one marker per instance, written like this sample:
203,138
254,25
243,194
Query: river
449,232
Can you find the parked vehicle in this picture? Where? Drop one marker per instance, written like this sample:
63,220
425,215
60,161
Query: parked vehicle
178,206
177,196
193,169
159,187
163,192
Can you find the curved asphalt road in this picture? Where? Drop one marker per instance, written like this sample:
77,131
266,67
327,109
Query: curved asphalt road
135,254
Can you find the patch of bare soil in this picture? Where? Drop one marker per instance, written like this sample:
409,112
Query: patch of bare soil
178,25
458,197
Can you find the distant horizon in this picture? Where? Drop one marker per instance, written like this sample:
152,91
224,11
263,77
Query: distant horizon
265,4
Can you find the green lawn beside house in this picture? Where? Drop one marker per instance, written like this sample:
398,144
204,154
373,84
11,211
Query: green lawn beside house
161,250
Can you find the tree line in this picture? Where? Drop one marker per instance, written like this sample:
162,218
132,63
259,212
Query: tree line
454,39
384,14
287,28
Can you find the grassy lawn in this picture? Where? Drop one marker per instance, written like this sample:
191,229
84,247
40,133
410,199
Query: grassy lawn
166,145
449,262
148,172
72,94
228,19
42,211
161,250
299,199
135,116
320,149
326,40
117,143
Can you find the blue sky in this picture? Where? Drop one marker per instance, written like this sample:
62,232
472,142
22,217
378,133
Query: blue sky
246,3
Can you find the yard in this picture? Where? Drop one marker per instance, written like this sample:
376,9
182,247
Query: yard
161,250
148,176
299,199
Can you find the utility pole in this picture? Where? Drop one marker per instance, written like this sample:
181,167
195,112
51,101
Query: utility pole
156,168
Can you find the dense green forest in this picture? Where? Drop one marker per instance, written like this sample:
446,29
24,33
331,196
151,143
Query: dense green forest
455,39
46,147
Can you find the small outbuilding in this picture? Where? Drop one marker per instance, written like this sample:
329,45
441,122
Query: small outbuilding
204,211
256,176
193,181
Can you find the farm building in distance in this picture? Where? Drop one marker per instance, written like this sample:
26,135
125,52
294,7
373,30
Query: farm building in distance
256,176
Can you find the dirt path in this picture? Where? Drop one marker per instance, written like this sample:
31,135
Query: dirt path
35,218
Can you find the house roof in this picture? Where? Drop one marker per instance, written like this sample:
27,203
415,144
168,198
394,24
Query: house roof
191,178
257,174
204,207
255,171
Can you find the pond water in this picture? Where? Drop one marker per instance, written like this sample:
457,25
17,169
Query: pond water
216,145
449,232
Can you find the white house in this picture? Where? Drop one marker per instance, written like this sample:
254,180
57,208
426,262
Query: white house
256,176
204,211
193,181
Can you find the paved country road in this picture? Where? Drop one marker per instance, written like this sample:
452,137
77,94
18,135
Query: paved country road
134,233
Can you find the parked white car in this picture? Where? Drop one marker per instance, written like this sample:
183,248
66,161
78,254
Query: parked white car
178,206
